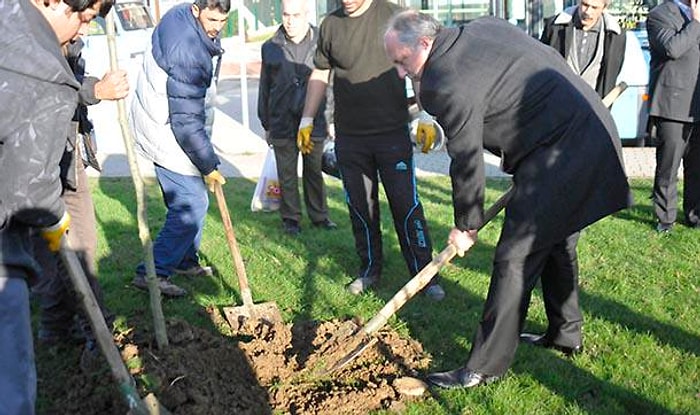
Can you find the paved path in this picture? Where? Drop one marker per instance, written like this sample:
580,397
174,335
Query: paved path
243,150
242,153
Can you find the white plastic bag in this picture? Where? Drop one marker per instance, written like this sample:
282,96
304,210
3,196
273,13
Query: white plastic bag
267,193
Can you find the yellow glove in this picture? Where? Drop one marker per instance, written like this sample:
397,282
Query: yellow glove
53,234
212,178
304,142
425,135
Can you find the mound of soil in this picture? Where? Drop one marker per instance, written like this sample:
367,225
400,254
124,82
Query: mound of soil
258,368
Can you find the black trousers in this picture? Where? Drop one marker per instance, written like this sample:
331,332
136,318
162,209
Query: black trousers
508,299
677,141
287,159
59,306
362,161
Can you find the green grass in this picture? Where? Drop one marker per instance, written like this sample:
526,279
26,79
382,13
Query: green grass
639,295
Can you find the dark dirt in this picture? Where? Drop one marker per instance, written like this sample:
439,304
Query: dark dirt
255,369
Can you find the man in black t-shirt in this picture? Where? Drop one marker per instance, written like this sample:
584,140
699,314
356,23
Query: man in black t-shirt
372,140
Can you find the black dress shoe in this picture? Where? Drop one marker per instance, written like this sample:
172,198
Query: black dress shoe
291,227
459,378
543,341
692,225
325,224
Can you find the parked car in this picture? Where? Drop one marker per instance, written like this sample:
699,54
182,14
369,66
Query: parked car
133,27
631,109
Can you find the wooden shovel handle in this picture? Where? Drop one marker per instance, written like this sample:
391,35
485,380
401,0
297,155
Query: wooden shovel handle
233,246
614,94
417,283
102,334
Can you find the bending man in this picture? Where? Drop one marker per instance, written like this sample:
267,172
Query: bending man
514,96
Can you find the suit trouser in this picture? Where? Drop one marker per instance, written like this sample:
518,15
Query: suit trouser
177,243
362,161
17,367
677,141
57,299
508,298
286,157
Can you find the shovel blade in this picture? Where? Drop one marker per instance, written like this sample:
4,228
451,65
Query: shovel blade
267,313
360,342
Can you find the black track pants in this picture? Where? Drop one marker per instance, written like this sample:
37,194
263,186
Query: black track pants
363,160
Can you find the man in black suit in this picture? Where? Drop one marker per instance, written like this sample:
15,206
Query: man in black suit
674,41
492,86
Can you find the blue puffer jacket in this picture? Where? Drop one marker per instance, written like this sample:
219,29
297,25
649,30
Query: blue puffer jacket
176,76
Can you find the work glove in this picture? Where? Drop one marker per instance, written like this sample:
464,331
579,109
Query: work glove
426,133
213,178
304,142
53,234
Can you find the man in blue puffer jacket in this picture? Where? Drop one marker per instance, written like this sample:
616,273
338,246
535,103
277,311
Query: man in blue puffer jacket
171,115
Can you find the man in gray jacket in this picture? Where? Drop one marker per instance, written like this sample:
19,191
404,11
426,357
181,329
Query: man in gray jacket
38,101
514,97
674,108
58,304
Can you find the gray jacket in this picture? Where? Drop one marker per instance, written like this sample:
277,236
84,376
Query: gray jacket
38,95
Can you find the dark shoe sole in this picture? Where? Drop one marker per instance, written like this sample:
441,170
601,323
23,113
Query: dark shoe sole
459,378
542,341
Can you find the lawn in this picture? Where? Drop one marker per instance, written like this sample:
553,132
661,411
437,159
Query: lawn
639,296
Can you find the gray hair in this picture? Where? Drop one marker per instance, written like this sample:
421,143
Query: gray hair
410,26
607,3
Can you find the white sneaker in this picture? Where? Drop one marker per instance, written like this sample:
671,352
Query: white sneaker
360,285
196,271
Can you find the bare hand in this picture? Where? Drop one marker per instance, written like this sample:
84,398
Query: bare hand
695,9
114,85
462,240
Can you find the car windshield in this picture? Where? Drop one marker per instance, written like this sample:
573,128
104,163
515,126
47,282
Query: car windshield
133,16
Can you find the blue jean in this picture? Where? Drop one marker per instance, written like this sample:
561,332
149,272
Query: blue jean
177,242
17,370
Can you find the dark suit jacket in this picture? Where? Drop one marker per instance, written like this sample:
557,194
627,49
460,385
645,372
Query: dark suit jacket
558,33
674,42
492,86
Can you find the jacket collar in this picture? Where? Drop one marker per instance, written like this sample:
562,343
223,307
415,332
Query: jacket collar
280,36
567,15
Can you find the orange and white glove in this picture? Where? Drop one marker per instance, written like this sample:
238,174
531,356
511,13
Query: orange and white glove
212,178
304,142
53,234
426,132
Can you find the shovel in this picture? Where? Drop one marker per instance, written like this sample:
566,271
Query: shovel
614,94
364,338
236,316
126,383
